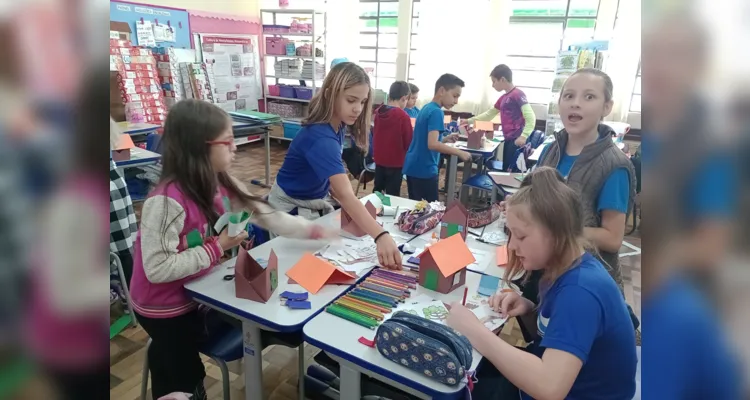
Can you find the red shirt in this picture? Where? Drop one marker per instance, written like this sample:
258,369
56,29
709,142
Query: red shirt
391,136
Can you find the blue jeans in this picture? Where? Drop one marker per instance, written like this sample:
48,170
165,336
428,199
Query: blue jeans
422,188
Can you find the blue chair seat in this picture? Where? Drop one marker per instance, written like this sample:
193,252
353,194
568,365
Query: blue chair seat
226,346
480,181
494,165
370,167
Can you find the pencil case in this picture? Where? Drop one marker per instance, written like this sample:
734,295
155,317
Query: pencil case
425,346
419,222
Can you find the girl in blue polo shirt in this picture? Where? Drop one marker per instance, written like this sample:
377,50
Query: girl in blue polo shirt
313,167
586,343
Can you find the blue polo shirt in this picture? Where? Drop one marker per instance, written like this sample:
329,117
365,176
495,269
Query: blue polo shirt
313,157
584,313
412,112
421,162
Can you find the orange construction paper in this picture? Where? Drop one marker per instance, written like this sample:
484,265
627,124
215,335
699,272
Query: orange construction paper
312,273
413,122
451,255
447,119
484,126
502,256
126,142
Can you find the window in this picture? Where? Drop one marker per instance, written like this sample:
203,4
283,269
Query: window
635,101
412,71
541,29
378,38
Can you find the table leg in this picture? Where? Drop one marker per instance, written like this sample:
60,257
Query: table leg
350,383
450,189
301,371
268,157
493,197
253,357
468,169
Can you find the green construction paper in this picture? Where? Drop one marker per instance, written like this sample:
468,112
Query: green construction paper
240,217
385,200
274,277
431,280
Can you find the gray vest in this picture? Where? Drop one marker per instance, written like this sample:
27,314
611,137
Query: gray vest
590,170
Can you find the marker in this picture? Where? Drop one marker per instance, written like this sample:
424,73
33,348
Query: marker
466,292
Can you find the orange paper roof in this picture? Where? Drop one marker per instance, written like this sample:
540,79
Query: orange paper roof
502,255
126,142
451,254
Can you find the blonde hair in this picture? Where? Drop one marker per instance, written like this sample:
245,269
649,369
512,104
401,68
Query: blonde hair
341,77
558,208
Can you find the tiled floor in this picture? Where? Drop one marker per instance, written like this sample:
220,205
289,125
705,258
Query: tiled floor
280,363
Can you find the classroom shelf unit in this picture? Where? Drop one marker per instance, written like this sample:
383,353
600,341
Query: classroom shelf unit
316,38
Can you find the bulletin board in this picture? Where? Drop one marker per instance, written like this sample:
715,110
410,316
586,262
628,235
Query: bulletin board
176,19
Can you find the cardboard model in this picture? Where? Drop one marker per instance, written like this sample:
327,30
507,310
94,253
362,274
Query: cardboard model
251,280
442,266
348,224
475,140
455,221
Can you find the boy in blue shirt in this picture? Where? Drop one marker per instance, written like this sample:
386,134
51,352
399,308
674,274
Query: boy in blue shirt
421,164
411,106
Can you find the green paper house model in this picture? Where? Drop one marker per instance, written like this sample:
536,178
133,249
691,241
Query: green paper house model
442,266
455,221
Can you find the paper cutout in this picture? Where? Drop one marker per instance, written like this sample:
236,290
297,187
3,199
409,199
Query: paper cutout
348,224
122,151
385,200
502,255
312,273
238,223
252,281
484,126
488,285
439,262
446,119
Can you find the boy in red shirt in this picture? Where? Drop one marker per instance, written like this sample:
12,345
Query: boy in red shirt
391,139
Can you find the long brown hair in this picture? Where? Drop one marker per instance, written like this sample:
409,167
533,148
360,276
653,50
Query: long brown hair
185,155
343,76
558,208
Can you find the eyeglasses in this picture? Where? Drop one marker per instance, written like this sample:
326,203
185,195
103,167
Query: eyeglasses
224,142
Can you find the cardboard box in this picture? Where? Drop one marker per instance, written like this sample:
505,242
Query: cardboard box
136,75
125,83
140,97
137,67
122,28
277,131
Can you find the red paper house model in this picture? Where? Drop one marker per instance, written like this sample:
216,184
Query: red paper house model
455,221
475,140
442,266
251,280
348,224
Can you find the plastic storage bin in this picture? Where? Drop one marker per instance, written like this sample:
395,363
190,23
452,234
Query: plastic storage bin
276,46
273,90
291,130
290,48
303,93
287,91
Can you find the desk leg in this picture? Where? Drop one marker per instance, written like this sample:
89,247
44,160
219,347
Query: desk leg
301,371
253,357
493,197
450,189
350,383
268,157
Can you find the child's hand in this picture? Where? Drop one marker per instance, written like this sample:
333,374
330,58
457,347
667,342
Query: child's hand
510,303
462,319
389,255
464,156
521,141
226,242
452,138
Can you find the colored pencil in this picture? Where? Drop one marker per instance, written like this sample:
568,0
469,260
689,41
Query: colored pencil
390,284
395,274
383,289
390,296
466,292
377,296
384,310
342,312
365,295
370,300
411,284
372,313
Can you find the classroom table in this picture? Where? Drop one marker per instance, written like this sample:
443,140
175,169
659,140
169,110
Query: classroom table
339,339
487,151
243,131
138,128
139,158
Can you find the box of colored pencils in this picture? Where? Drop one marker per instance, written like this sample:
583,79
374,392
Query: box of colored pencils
368,302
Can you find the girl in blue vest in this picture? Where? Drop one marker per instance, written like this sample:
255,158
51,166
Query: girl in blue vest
586,343
313,168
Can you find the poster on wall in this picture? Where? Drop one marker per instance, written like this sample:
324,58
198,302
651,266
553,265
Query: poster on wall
236,70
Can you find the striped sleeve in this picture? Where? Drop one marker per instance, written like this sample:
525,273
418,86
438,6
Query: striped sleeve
162,221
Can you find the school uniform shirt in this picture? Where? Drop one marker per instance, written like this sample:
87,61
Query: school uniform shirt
512,119
312,159
689,356
391,136
615,192
412,112
421,162
584,313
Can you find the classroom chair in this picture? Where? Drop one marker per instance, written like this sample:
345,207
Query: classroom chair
223,348
367,174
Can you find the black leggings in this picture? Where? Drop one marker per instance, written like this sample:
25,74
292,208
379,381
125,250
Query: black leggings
173,358
492,385
75,385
